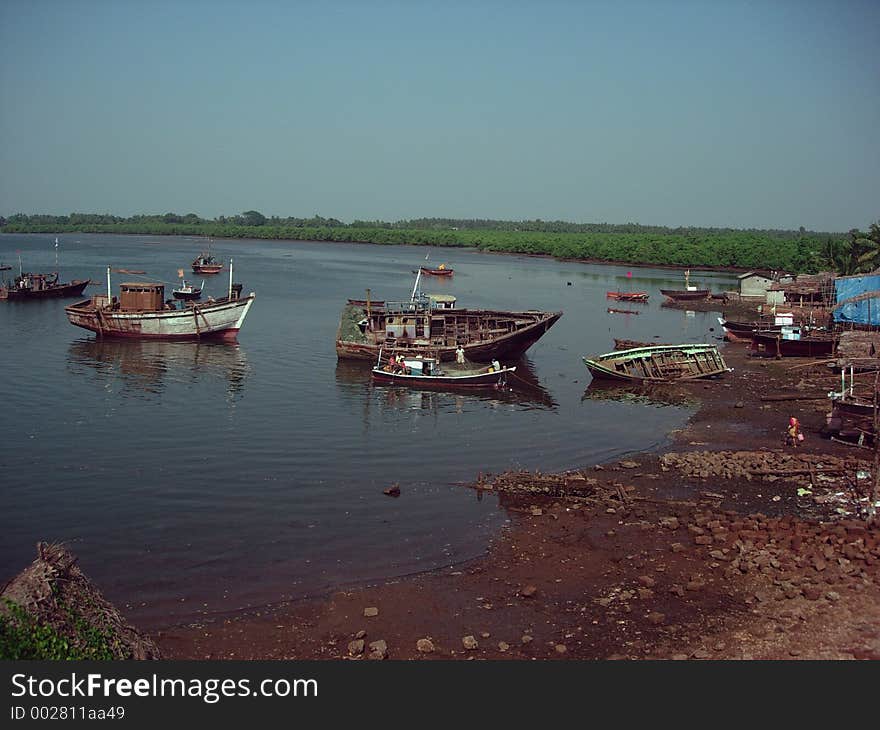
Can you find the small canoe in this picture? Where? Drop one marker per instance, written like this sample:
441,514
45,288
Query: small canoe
658,363
628,296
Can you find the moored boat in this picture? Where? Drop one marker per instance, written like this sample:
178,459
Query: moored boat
428,372
439,271
433,326
624,344
688,294
658,363
792,341
142,312
29,286
205,263
187,291
628,296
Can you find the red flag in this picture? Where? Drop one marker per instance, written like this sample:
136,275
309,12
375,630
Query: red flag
629,274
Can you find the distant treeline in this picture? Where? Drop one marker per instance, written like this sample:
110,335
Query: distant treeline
631,243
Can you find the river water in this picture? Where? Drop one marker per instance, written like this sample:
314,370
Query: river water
193,478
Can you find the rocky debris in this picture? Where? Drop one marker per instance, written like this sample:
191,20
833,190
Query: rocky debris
55,596
503,646
560,648
426,646
566,484
371,611
528,591
469,643
758,464
393,490
378,649
629,464
356,647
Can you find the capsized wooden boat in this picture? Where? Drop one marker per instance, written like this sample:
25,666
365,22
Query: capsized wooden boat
27,287
432,326
658,363
429,372
142,312
628,296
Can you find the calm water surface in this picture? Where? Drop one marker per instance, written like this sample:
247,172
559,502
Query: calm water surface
210,478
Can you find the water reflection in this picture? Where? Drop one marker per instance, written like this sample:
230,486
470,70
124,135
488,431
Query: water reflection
654,394
148,366
524,389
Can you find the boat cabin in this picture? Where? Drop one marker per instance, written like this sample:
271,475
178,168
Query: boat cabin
422,366
140,297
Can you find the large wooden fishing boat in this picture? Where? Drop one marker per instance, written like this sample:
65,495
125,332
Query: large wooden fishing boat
141,311
793,341
658,363
29,286
420,326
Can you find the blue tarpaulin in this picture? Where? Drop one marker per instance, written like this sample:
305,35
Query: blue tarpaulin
865,311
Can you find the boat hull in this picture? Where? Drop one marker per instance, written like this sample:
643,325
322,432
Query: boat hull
635,296
219,320
682,295
73,289
774,345
658,364
207,269
477,380
509,346
437,272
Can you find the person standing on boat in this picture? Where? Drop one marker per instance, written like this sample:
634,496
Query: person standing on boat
459,355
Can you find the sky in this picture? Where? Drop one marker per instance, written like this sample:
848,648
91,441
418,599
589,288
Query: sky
703,113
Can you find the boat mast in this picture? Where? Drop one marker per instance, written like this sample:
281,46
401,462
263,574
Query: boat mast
412,297
229,296
109,294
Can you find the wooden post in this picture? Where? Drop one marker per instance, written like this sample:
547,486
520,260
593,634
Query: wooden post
874,494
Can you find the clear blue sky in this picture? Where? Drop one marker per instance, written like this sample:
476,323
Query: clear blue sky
719,113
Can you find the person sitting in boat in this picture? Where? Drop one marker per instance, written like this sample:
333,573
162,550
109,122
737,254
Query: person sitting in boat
496,366
392,364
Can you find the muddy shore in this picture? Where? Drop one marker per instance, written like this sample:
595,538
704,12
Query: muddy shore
728,545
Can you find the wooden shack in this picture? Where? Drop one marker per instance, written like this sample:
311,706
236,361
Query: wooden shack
141,297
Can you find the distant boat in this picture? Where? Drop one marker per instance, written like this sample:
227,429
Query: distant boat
187,291
205,263
688,294
141,312
429,372
658,363
613,310
439,271
623,344
628,296
27,286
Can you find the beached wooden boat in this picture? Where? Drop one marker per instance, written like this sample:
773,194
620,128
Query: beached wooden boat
628,296
142,312
658,363
28,287
205,263
427,326
428,372
793,342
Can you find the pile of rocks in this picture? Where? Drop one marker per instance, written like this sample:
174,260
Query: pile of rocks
768,465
